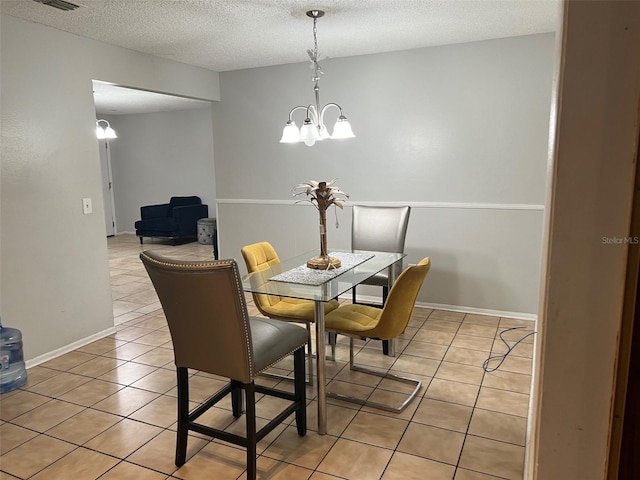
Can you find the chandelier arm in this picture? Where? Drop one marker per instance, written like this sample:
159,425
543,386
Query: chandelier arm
324,109
299,107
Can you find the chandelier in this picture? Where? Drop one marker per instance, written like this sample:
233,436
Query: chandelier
313,128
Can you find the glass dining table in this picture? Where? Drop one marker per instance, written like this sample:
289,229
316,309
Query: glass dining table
291,278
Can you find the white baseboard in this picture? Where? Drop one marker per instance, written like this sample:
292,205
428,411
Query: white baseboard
69,348
455,308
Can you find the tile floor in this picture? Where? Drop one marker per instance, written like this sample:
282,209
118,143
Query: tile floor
107,410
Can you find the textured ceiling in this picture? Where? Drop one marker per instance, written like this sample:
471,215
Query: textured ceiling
223,35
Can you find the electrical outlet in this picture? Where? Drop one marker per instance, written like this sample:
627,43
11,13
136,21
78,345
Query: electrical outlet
87,207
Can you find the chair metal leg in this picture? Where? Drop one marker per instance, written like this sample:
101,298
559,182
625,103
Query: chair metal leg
183,416
387,375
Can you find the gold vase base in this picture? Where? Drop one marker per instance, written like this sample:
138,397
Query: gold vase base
323,263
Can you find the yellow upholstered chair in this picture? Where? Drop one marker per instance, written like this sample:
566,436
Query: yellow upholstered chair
261,256
364,321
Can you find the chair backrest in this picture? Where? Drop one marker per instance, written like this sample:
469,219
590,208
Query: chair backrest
381,229
258,257
205,308
402,298
183,202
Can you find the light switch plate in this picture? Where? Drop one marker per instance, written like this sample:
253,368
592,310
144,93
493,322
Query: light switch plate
87,207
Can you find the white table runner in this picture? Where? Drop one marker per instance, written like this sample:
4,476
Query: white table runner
310,276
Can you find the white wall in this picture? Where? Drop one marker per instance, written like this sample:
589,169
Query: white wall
54,269
459,132
159,155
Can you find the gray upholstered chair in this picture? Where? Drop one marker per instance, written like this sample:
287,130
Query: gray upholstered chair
380,229
211,331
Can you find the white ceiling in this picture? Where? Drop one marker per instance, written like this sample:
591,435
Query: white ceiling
223,35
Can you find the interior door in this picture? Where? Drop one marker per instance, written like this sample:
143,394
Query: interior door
107,188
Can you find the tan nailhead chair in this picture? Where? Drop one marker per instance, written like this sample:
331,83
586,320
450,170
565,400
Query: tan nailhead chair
211,332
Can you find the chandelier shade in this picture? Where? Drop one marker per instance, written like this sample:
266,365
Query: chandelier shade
105,132
313,129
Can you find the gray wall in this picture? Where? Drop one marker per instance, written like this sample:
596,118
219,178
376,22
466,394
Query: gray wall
54,269
459,132
159,155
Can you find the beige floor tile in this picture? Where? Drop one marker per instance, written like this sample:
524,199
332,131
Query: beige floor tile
84,426
472,342
12,436
459,372
161,412
432,443
126,401
434,336
59,385
6,476
34,455
271,469
155,338
418,365
522,350
360,378
129,471
36,375
443,414
441,325
477,319
68,360
498,426
466,356
91,392
80,463
323,476
20,402
101,346
123,438
338,417
214,461
201,387
503,401
48,415
517,365
96,367
129,351
427,350
462,474
307,451
395,400
495,458
374,429
127,373
159,381
158,357
350,459
478,330
129,334
159,453
513,382
446,315
454,392
410,467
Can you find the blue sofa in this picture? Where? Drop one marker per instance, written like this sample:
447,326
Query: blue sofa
175,220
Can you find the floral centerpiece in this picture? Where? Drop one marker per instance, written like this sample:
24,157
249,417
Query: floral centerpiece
322,195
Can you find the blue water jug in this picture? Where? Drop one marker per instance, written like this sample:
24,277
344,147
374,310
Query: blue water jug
13,373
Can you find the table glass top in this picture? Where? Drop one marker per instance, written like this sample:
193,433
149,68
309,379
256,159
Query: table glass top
259,282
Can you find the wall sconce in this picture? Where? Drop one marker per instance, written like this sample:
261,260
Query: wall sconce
106,132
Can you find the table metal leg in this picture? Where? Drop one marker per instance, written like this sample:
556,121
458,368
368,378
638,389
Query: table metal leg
322,386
